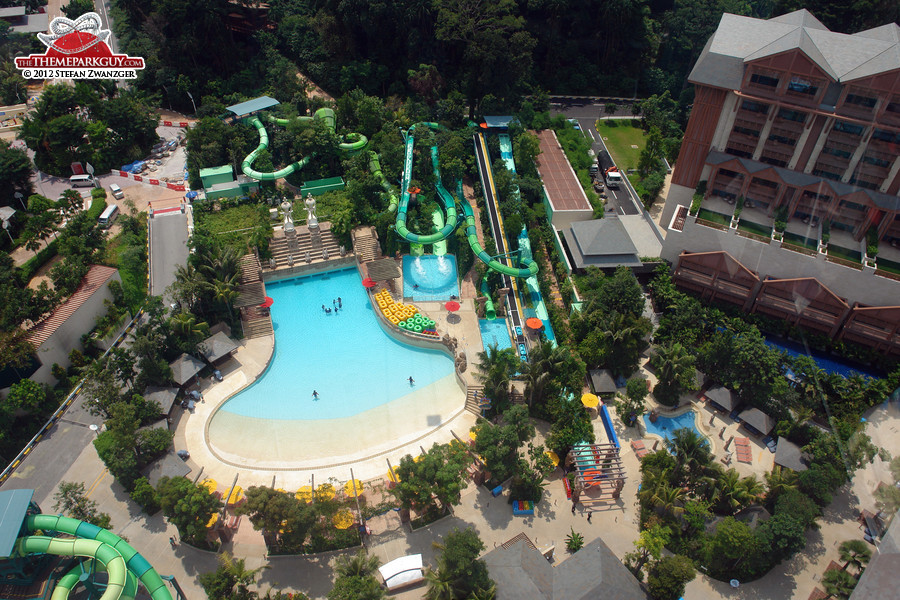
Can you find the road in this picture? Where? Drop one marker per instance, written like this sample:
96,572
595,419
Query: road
168,249
621,201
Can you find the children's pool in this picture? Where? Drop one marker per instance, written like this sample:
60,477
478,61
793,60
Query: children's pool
343,355
430,277
494,332
664,426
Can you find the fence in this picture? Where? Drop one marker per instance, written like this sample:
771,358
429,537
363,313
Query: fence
178,187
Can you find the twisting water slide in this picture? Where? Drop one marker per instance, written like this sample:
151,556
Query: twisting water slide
106,552
326,115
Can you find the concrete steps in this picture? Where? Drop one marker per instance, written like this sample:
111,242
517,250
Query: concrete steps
256,322
301,243
473,395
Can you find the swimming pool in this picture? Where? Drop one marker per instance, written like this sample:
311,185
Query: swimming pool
345,356
825,363
664,426
435,277
494,332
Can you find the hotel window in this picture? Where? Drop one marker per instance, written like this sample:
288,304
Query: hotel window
781,139
850,128
836,152
851,205
886,136
826,174
764,80
798,85
757,107
863,101
893,107
874,160
792,115
746,131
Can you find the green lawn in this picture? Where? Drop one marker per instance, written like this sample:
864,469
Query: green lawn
619,136
889,265
845,253
799,240
756,228
715,217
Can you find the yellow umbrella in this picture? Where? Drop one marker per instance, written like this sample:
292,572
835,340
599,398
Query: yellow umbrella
325,492
590,400
212,520
237,494
209,484
419,458
392,475
304,494
353,488
343,519
554,457
281,491
473,436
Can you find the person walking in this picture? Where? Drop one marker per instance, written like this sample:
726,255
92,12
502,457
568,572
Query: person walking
589,516
172,542
573,507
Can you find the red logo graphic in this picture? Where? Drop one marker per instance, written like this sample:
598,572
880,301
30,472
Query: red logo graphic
78,50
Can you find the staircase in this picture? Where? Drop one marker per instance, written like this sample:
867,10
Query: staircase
298,242
251,293
473,395
365,244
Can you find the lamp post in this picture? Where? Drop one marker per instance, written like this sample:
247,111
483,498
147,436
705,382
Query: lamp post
6,228
192,102
19,197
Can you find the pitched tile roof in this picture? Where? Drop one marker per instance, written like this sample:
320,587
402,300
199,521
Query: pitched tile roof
843,57
96,278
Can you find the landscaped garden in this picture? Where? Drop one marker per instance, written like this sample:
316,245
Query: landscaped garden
713,217
624,139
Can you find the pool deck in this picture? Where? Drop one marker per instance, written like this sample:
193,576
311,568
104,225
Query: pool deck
290,452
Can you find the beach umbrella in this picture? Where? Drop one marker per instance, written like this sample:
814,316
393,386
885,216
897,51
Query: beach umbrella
237,494
212,520
590,400
452,306
282,491
473,436
534,323
392,476
343,519
368,282
210,485
353,488
325,491
304,494
553,456
267,302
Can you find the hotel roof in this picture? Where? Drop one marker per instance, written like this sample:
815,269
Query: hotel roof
560,181
843,57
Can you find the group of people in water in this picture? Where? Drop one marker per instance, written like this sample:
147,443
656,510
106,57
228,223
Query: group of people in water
335,304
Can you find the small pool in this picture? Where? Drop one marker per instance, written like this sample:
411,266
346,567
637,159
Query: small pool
664,426
494,332
430,277
825,363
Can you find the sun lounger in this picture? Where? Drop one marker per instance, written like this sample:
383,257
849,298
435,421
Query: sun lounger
640,450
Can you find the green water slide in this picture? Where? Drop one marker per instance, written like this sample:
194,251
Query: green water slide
326,115
489,311
443,194
530,268
375,168
122,563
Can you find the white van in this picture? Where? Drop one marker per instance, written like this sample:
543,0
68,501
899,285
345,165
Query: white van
81,181
109,215
116,191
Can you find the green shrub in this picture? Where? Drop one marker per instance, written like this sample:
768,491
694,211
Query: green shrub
31,266
695,203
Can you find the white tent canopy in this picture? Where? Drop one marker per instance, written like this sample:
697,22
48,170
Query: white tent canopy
403,571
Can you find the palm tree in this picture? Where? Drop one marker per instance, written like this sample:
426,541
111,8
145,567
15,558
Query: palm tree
243,577
669,500
838,584
440,585
690,450
495,367
224,293
481,594
779,481
856,552
543,362
186,325
223,264
359,565
674,366
733,493
188,287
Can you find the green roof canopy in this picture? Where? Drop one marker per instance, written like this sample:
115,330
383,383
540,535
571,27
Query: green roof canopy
225,170
13,507
252,106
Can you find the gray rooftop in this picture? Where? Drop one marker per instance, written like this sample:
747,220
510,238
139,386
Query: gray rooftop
601,243
165,397
184,367
521,572
789,455
251,106
758,420
739,40
883,572
36,23
167,466
12,11
602,381
723,397
13,507
217,346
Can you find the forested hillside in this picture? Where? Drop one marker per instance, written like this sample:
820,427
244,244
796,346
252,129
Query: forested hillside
493,50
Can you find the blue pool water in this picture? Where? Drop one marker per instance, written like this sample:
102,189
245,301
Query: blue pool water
435,276
494,332
825,363
345,356
664,426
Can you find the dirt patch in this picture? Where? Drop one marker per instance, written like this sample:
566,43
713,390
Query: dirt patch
43,274
313,90
170,115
